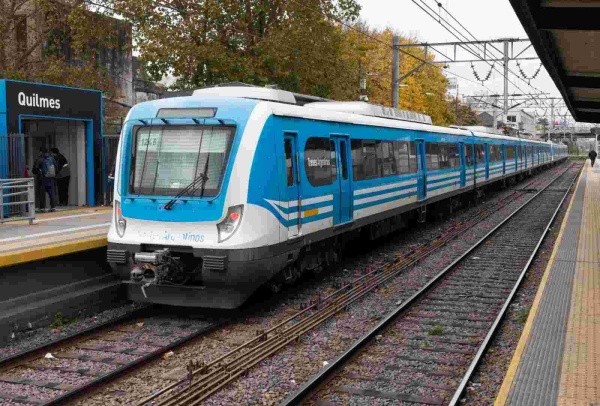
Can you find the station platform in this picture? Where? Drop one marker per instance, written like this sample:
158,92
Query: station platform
557,359
53,234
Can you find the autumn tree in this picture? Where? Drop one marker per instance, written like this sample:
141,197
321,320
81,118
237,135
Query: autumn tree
59,43
290,43
423,91
463,113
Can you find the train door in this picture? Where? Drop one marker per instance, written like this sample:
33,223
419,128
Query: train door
343,211
463,164
292,191
421,170
503,151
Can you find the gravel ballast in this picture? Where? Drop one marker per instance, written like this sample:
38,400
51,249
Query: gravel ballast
274,378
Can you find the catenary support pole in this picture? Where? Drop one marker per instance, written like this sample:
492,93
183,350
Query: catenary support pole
505,81
395,71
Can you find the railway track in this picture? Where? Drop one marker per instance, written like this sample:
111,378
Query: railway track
426,350
83,362
204,379
80,363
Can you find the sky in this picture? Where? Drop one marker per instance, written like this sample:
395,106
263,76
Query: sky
485,19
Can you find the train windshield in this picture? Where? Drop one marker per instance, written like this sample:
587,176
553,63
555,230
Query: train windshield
167,158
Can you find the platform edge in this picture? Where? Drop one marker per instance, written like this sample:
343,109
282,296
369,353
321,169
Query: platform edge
509,377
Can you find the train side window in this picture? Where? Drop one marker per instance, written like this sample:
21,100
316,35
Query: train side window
289,162
344,159
509,152
333,160
402,157
412,157
479,153
369,149
432,158
358,165
449,157
317,161
469,155
385,156
495,153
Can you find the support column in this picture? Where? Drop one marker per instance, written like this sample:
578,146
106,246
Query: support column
395,71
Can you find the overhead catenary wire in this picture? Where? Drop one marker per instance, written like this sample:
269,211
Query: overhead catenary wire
475,38
375,39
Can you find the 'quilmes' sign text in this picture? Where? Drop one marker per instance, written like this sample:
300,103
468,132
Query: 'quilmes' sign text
35,101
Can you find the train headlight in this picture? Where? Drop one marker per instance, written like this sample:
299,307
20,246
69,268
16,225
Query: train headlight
229,226
120,223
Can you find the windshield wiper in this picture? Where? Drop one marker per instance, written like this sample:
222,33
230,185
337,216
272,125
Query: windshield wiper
191,187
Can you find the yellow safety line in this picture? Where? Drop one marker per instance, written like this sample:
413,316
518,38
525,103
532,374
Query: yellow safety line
35,254
516,359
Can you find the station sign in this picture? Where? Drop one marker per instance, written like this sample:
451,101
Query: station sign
52,101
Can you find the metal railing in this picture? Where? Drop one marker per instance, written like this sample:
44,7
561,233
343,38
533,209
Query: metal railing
17,199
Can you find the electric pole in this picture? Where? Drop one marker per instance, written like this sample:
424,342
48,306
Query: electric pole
505,82
395,71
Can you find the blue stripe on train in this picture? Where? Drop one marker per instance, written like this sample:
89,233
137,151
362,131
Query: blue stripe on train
386,200
385,191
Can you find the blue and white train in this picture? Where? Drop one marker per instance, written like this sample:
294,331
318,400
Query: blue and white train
221,192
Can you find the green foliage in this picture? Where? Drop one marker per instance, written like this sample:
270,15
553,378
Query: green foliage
59,43
437,330
60,321
522,315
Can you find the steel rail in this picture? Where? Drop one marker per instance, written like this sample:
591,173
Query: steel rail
26,355
327,373
218,372
10,361
117,373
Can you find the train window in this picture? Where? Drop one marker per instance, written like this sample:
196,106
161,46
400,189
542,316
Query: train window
509,152
448,155
317,161
412,157
479,153
344,159
495,153
369,150
432,159
385,157
403,161
333,160
289,161
168,158
469,155
357,161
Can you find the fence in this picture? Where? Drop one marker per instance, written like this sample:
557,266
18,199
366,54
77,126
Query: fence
14,145
17,199
14,198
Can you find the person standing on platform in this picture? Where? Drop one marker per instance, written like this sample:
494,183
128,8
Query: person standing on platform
44,170
592,156
63,176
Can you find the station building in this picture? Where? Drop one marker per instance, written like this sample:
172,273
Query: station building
35,115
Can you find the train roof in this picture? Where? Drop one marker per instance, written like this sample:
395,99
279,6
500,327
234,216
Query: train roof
310,111
282,103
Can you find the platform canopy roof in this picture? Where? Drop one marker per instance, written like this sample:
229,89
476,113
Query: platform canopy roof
566,36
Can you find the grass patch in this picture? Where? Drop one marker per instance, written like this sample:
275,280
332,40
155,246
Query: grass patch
522,315
436,331
60,320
